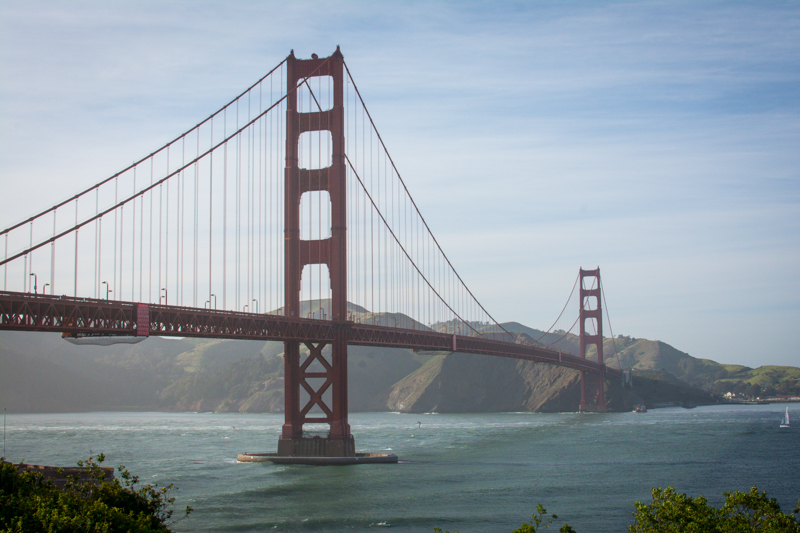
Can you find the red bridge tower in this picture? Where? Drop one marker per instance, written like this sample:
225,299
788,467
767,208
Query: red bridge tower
592,397
328,373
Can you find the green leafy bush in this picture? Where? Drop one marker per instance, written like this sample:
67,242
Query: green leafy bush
672,512
29,502
742,512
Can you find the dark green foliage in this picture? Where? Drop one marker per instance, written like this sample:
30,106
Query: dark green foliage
29,502
538,519
532,527
672,512
742,512
753,390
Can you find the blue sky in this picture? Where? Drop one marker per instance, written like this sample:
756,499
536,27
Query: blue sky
658,140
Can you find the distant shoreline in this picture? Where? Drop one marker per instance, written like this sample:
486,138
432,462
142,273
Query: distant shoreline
145,409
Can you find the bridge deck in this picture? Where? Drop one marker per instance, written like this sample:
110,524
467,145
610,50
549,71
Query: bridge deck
89,316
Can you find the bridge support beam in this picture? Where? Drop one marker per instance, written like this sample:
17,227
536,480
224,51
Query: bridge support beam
592,394
321,378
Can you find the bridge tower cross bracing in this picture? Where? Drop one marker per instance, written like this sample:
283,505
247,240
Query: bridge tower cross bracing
331,251
592,395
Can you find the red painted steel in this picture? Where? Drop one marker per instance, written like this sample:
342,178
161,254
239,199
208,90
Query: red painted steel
331,252
325,341
88,316
142,320
592,395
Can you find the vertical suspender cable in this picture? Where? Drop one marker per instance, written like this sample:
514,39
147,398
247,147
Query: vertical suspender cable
99,256
150,240
121,248
181,231
268,157
141,244
364,221
258,219
196,219
417,274
210,211
225,211
371,234
53,256
266,221
407,268
394,262
253,198
386,238
133,240
166,239
25,275
116,215
96,242
31,258
238,202
160,211
249,192
357,214
76,248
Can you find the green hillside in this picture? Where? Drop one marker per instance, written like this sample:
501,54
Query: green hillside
713,377
41,372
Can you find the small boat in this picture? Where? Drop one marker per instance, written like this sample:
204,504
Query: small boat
639,408
785,421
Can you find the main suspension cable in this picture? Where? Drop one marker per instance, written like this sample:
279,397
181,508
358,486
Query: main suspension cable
142,160
386,151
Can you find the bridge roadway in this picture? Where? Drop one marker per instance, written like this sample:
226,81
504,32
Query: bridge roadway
90,316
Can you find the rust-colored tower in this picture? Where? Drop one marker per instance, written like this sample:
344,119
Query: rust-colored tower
592,397
329,374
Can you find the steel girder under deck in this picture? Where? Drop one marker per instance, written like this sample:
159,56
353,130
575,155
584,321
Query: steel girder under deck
89,316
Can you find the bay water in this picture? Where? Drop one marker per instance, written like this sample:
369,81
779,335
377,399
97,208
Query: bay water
469,473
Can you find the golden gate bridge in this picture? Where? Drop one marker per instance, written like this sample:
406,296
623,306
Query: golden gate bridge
279,217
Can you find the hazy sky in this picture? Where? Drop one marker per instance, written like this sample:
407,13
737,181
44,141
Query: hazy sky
658,140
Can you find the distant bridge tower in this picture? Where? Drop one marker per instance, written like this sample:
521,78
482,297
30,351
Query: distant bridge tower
592,396
316,375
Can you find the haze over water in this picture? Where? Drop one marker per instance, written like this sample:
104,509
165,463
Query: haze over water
468,473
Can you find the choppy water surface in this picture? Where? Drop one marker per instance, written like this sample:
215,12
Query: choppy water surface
467,473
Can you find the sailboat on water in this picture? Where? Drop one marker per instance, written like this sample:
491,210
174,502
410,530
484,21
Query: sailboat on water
785,421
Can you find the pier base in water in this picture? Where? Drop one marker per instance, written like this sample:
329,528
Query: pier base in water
320,451
357,459
317,447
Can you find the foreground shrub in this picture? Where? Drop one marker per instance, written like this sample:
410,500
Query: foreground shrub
672,512
30,502
742,512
